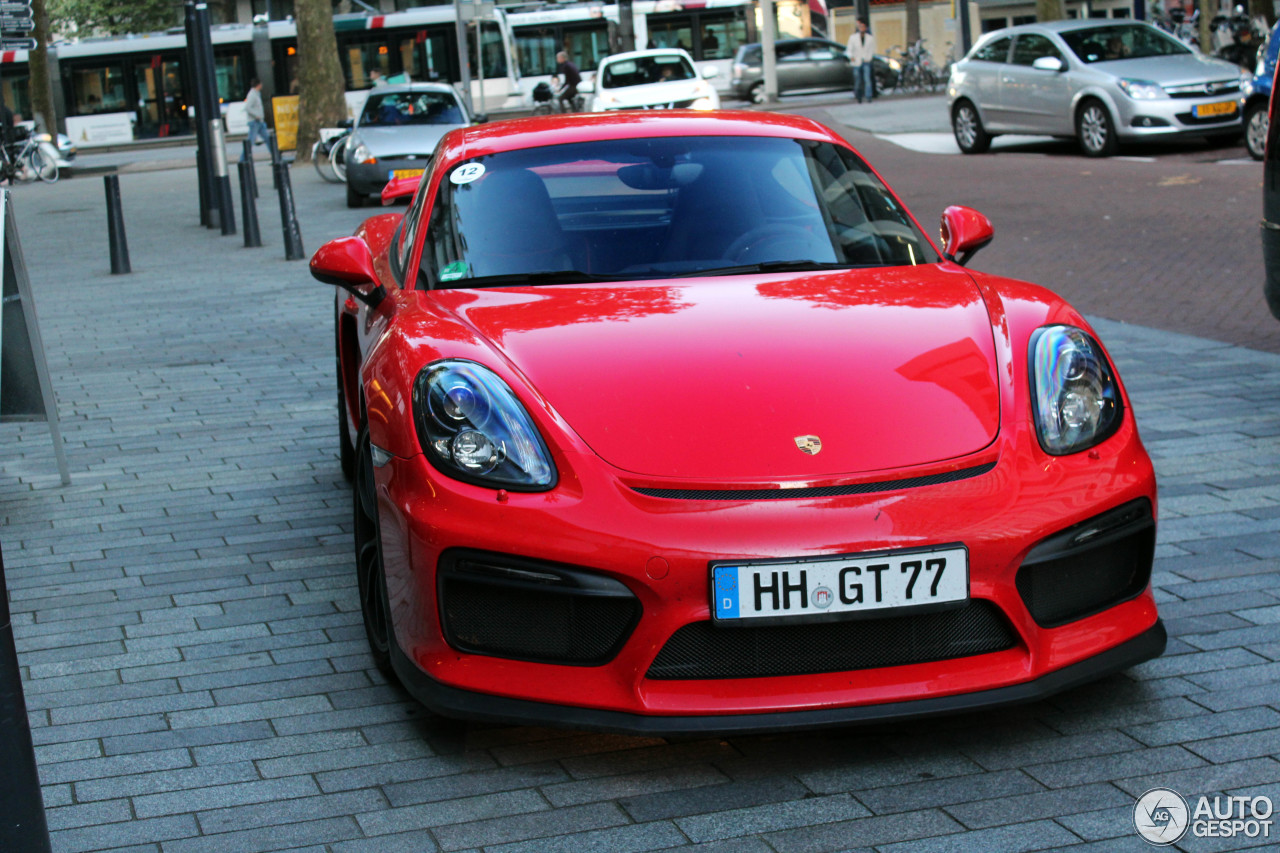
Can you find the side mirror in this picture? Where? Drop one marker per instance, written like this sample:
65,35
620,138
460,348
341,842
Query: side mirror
964,231
709,71
348,123
479,118
1048,63
348,263
400,188
586,87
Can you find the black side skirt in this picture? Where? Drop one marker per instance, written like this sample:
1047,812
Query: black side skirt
481,707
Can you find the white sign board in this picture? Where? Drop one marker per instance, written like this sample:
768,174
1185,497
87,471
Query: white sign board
101,129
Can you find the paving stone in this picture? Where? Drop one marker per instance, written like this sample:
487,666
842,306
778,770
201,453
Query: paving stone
771,817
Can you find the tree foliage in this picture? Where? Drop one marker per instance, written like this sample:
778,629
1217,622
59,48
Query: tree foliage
321,99
114,18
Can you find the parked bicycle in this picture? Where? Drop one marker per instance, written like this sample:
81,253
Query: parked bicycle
919,72
26,160
328,155
546,101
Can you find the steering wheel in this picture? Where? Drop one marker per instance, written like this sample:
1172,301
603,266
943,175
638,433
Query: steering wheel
766,235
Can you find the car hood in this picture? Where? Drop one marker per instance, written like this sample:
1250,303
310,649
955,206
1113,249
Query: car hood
657,93
722,379
417,139
1180,70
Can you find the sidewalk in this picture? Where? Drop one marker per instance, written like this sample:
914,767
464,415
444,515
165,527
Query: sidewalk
195,663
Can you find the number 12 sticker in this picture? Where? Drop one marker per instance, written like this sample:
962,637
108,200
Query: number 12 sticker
466,174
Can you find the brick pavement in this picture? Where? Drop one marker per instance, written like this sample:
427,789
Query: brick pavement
194,660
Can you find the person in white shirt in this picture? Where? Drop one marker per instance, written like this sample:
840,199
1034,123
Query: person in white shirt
257,116
862,47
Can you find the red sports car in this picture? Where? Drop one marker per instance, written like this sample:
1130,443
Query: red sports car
678,422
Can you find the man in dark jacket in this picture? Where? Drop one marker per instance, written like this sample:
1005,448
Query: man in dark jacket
569,73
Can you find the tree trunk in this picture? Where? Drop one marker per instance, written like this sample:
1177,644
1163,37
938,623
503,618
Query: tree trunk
1049,10
38,64
913,21
321,101
1208,8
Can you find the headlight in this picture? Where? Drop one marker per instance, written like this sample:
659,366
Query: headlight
703,104
895,65
472,428
1142,90
361,154
1075,400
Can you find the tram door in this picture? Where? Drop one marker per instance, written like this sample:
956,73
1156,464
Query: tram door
162,107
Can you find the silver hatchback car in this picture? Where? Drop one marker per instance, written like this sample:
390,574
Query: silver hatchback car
1101,82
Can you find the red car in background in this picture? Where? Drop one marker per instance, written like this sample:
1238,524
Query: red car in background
679,422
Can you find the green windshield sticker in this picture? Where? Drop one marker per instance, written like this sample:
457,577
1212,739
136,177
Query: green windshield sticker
454,271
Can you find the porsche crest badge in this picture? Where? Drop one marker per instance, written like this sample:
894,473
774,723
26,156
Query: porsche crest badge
810,444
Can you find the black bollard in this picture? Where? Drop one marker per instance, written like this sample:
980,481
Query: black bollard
276,159
222,180
293,250
115,227
248,209
248,158
22,821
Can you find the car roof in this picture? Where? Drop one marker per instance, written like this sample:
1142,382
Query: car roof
1066,26
539,131
653,51
411,87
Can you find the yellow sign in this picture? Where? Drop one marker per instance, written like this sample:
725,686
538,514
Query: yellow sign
285,108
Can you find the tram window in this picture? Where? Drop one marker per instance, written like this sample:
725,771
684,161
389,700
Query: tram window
536,50
17,94
586,46
99,90
722,34
431,55
228,72
671,31
495,57
364,56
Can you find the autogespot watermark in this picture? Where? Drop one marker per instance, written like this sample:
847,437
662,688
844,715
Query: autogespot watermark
1162,817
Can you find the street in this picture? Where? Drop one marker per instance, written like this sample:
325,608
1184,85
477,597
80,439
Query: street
188,623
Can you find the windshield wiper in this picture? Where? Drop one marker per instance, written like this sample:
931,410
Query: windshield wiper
770,266
538,277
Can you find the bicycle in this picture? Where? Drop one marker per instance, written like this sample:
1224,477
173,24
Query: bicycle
23,160
918,73
328,155
546,102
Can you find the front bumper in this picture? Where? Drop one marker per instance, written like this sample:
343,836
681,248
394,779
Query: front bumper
370,178
660,549
1147,119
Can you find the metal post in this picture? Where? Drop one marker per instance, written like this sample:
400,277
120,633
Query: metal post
965,41
202,166
276,159
248,158
248,209
22,822
293,250
460,9
115,227
769,26
225,204
480,52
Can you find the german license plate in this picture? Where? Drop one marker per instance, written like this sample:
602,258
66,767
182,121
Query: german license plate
1221,108
824,588
404,173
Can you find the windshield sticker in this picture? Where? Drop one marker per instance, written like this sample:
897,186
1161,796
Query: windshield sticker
466,174
455,270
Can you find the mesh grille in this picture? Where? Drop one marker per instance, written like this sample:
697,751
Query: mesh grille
701,650
819,492
1075,586
557,627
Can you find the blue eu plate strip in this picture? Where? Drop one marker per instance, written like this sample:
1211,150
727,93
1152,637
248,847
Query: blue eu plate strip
726,592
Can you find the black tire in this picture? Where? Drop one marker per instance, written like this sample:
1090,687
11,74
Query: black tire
966,125
370,577
1095,131
346,450
756,93
354,199
45,169
1256,122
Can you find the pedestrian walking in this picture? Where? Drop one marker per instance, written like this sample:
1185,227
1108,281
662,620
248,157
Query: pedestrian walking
862,51
257,114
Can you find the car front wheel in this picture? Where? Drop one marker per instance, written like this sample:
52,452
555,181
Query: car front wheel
1255,129
370,577
967,126
1095,130
354,199
757,93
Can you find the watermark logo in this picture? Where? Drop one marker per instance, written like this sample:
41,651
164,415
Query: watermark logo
1161,816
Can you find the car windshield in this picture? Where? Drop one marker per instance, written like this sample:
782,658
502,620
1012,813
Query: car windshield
1121,41
633,209
647,69
396,108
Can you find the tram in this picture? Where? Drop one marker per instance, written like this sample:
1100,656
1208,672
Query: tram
142,83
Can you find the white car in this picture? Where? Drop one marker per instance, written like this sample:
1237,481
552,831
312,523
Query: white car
664,78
